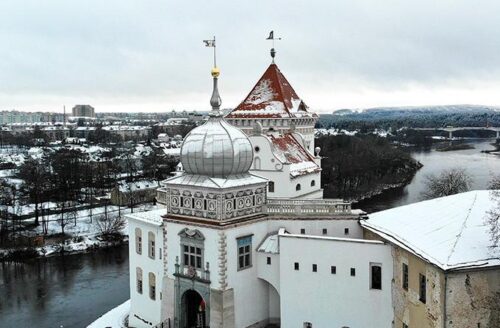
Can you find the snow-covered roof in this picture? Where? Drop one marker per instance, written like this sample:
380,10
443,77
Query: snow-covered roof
271,97
450,232
237,180
289,150
137,185
270,245
154,217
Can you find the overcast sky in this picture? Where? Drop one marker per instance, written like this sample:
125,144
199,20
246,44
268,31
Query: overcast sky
147,55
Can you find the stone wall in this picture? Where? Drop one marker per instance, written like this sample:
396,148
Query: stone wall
473,299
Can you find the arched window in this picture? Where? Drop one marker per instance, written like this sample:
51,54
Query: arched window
152,286
151,245
257,163
297,187
138,241
313,183
138,273
271,186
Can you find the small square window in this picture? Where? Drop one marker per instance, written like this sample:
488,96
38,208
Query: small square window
346,231
315,268
353,272
268,260
296,266
333,269
325,231
303,231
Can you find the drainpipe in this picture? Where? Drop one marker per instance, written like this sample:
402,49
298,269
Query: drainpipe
445,321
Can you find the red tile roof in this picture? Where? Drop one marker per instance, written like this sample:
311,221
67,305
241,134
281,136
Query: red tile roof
289,150
271,97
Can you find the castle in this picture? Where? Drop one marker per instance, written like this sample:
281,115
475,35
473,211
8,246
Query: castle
246,238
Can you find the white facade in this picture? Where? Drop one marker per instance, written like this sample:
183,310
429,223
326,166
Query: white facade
145,228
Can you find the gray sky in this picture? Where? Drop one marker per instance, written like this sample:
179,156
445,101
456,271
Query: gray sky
147,55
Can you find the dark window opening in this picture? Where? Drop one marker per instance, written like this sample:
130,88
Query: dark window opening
353,272
313,183
315,268
297,187
405,276
346,231
325,231
303,231
422,288
296,266
268,260
376,277
333,269
270,186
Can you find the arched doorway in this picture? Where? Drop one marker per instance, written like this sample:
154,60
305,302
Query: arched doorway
193,310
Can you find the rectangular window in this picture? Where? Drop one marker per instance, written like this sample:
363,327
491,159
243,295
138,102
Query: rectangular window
268,260
296,266
244,252
376,276
325,231
422,288
346,231
303,231
405,325
192,256
333,269
315,268
353,272
271,186
404,277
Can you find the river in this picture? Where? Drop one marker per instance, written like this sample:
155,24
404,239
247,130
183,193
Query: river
72,291
63,291
480,166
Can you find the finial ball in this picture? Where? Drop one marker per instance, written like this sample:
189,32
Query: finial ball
215,72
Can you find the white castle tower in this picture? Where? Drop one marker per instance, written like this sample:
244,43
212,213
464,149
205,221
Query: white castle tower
222,254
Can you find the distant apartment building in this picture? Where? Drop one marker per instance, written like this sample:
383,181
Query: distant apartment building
83,111
14,116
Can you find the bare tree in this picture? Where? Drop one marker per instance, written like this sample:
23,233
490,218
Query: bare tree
494,183
448,182
493,217
110,225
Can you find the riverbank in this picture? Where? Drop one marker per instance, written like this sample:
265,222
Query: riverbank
83,234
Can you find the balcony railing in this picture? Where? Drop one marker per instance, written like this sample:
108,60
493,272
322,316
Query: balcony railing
308,207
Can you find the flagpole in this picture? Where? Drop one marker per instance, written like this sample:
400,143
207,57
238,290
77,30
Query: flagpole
215,54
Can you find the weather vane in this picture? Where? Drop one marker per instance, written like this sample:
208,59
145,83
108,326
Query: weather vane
271,37
211,43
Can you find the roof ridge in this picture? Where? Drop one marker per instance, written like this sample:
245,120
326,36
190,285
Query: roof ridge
464,225
280,86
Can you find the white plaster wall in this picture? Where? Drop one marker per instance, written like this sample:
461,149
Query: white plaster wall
334,227
333,300
141,304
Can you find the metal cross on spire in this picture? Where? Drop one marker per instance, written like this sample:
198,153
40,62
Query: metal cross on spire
271,37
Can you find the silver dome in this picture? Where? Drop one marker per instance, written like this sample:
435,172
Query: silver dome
216,149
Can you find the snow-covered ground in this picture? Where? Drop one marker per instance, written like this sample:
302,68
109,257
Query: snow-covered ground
114,318
83,230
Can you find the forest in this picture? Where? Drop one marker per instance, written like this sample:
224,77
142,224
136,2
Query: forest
417,117
356,167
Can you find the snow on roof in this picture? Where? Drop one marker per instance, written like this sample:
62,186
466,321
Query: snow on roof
211,182
270,245
172,151
137,185
271,97
450,232
154,217
289,150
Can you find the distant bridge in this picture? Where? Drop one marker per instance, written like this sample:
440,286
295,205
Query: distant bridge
451,129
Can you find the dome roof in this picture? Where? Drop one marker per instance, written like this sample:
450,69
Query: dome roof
216,149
